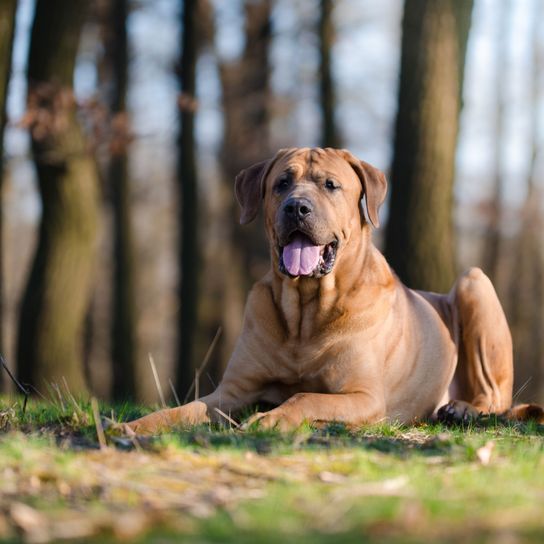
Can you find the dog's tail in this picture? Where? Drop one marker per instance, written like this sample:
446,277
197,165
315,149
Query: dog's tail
526,412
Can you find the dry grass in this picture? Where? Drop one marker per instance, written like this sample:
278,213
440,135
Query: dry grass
386,483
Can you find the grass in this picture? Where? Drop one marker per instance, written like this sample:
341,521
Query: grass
386,483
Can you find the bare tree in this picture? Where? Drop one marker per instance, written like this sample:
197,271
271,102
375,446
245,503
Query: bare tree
189,254
123,337
246,107
419,236
56,295
329,131
492,250
527,270
8,9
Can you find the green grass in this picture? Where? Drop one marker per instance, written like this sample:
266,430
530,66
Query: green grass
386,483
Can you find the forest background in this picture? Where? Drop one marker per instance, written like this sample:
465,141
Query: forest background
126,122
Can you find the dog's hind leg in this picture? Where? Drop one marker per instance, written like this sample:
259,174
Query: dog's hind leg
484,374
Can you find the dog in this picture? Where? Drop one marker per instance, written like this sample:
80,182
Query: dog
330,334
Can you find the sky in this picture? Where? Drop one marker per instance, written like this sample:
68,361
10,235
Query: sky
366,58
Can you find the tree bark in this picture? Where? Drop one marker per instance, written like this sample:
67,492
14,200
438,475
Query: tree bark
189,254
246,102
8,9
123,293
527,275
329,131
56,296
419,236
492,251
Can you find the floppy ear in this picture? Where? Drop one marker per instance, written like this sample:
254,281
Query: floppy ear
248,187
373,182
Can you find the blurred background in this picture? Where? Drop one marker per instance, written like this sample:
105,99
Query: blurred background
126,121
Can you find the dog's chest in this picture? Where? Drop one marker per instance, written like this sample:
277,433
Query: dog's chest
306,366
313,337
305,311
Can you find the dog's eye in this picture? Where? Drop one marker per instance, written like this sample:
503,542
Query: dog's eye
282,184
330,185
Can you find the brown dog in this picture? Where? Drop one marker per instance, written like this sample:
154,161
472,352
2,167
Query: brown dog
330,333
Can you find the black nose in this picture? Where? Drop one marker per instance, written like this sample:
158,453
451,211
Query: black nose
299,208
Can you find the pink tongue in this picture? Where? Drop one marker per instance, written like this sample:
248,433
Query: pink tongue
300,257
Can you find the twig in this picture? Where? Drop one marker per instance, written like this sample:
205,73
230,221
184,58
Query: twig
173,389
56,388
204,363
71,397
23,389
37,391
132,436
211,380
228,418
52,394
522,388
98,424
157,382
136,443
197,385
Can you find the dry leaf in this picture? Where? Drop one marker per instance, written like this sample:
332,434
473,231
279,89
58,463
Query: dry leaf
33,523
331,477
484,453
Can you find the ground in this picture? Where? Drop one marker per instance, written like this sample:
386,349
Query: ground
480,483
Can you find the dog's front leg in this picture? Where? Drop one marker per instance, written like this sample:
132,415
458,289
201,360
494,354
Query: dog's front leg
193,413
350,408
226,398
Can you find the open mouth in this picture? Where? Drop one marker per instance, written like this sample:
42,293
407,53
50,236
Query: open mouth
302,257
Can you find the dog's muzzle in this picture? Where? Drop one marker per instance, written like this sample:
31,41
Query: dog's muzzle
301,256
303,249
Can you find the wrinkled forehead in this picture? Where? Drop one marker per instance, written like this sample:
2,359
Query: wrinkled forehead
313,163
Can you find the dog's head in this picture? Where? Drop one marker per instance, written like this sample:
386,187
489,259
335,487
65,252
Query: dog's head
312,205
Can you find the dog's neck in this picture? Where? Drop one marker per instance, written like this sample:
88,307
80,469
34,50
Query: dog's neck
306,304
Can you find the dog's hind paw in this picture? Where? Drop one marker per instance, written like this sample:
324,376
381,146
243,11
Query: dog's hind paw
526,412
457,412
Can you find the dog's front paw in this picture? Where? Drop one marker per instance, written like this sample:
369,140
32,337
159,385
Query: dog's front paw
456,412
275,419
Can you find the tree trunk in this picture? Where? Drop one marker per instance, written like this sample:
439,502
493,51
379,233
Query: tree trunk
123,294
189,254
419,236
246,103
492,250
329,132
7,30
527,302
527,275
56,296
